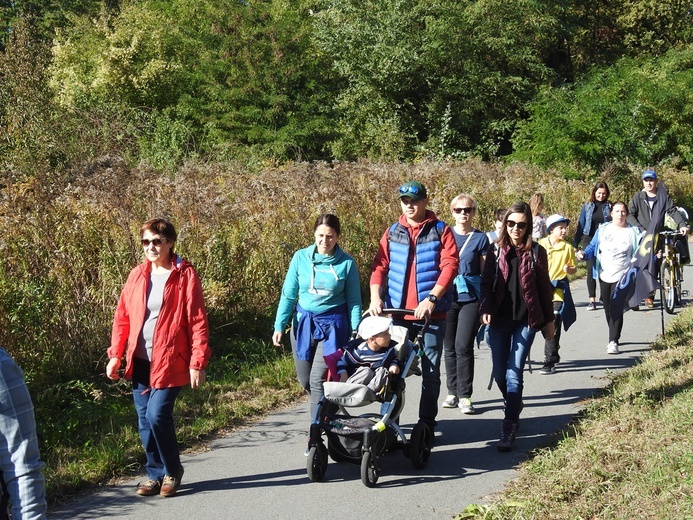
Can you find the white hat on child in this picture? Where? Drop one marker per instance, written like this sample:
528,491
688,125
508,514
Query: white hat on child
374,325
555,219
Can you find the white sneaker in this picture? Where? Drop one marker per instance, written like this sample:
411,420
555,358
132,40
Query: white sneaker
450,402
466,406
612,348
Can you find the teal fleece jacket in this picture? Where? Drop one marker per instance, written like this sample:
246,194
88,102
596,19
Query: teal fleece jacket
320,283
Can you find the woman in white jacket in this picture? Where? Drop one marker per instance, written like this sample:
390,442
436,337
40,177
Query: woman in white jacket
613,247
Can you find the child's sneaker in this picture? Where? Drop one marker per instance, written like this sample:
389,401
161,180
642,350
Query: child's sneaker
466,406
450,401
548,368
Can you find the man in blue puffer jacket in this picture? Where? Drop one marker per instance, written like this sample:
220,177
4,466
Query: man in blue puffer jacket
417,261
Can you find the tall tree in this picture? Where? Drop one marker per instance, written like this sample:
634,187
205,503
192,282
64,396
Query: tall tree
216,74
637,111
49,15
26,119
440,77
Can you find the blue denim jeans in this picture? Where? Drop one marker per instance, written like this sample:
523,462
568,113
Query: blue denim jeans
20,463
154,408
510,342
430,365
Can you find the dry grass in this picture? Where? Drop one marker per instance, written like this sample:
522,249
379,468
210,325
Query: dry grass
629,456
67,248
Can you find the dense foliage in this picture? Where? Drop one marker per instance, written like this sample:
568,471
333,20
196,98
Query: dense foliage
638,111
113,111
166,80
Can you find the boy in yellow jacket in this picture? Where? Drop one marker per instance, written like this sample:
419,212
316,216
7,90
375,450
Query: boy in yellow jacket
561,263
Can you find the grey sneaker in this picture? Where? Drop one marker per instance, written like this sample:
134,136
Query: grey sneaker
466,406
591,306
450,401
612,348
547,369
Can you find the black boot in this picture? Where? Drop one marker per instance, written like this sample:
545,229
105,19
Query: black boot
507,440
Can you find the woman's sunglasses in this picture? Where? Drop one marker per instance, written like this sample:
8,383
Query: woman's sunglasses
520,225
467,211
156,242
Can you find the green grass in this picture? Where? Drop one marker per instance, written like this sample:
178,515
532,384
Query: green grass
105,445
629,454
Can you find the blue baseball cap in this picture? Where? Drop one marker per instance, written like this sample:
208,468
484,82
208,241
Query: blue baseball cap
649,174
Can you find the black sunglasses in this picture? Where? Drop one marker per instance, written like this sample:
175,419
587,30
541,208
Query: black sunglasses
465,210
520,225
156,242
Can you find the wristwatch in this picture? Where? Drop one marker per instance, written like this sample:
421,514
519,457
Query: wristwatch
432,298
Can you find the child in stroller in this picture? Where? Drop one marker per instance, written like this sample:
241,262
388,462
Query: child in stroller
362,439
369,362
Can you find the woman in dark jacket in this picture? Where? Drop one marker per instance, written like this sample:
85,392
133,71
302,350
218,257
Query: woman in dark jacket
516,295
594,212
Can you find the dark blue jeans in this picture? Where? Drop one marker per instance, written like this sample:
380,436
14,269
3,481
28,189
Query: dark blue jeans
154,408
510,342
430,365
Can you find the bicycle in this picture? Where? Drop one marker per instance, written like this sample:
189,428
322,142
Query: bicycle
670,271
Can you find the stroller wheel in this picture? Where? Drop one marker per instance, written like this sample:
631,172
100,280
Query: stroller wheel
420,445
317,462
369,469
334,453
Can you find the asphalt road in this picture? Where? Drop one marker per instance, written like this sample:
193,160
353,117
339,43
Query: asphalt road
259,472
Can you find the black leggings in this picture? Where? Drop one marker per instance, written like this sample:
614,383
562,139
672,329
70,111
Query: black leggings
615,324
589,264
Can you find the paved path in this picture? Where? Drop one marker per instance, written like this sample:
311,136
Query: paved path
259,472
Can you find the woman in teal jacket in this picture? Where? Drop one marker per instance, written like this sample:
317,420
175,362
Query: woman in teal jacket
322,284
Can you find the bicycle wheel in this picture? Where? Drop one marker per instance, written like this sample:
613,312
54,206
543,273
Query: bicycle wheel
678,272
667,278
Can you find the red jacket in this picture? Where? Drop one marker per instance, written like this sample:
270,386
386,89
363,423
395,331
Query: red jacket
181,336
449,263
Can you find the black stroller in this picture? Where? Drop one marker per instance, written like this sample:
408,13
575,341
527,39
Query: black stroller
362,439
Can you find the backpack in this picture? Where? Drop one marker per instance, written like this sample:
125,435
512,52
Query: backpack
670,223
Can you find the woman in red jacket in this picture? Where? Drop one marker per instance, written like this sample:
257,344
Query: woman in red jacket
516,302
160,325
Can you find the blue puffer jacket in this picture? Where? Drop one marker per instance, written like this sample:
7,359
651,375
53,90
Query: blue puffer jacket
427,258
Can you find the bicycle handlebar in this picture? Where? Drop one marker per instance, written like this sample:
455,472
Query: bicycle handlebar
671,233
